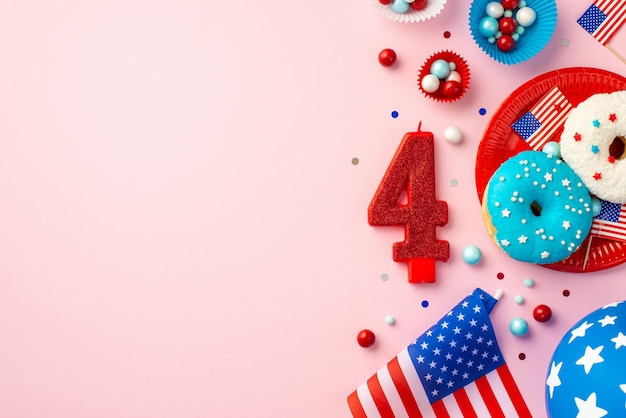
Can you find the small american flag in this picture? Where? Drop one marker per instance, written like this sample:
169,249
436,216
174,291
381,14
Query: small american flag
455,369
610,223
540,123
603,18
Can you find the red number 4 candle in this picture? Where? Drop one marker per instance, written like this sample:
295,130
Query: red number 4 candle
413,169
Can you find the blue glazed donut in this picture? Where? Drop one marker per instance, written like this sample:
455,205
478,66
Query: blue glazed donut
536,208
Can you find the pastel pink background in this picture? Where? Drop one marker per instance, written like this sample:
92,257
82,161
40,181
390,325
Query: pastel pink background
182,231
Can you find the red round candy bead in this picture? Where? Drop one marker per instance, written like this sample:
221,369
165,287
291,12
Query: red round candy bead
385,2
419,4
510,4
507,25
542,313
452,89
505,43
387,57
366,338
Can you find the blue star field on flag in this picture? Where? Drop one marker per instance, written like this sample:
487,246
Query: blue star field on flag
458,349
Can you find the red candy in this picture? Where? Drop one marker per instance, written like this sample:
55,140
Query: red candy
542,313
507,25
419,4
505,43
413,169
385,2
387,57
452,89
510,4
366,338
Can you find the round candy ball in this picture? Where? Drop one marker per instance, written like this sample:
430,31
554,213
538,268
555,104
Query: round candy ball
525,16
494,9
505,43
471,254
419,4
510,4
366,338
454,76
552,148
440,68
596,206
399,6
542,313
452,89
586,376
518,327
528,282
507,25
390,320
387,57
453,135
519,299
488,26
385,2
430,83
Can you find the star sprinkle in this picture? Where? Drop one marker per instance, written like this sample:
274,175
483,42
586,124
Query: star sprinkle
612,117
611,159
565,182
620,340
566,225
592,356
545,254
596,123
505,243
553,378
595,149
607,320
548,177
580,331
577,137
597,176
505,213
522,239
588,408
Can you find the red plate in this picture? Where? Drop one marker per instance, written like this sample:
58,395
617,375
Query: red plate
500,142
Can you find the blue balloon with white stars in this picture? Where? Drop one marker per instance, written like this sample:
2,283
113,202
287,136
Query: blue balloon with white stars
587,374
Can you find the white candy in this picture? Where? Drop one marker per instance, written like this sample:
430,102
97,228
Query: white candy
525,16
430,83
452,134
494,9
454,76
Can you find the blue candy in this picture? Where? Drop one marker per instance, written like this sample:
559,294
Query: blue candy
400,6
488,26
440,68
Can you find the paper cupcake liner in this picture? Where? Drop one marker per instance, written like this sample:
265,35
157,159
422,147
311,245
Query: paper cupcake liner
529,44
411,16
461,67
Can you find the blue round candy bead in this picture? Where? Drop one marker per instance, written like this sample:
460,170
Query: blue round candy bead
596,206
553,148
518,326
528,282
400,6
488,26
440,69
472,254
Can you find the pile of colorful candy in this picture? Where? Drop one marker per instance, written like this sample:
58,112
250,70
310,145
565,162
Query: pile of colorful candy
403,6
505,22
444,76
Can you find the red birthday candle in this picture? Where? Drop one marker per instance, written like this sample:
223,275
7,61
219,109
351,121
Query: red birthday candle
412,169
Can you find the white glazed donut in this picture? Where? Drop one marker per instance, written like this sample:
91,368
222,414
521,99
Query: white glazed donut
593,144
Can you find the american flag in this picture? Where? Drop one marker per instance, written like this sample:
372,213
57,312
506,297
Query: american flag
610,223
455,369
603,18
540,123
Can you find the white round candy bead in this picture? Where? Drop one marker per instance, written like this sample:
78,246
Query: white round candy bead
494,9
525,16
454,76
430,83
452,134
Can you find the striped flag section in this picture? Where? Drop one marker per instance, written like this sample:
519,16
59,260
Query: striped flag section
455,369
603,18
540,124
610,223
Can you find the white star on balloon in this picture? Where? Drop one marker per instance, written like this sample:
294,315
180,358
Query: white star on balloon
591,357
620,340
580,331
553,378
588,408
611,305
607,320
623,388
